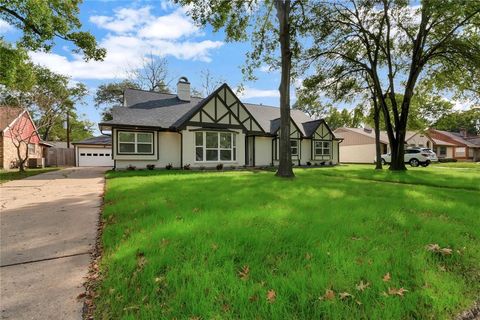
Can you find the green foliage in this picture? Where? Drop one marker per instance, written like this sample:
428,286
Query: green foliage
16,70
455,121
79,129
42,21
167,258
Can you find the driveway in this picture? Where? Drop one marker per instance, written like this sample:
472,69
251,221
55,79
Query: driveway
48,229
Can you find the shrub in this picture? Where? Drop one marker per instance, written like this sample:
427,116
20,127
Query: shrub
169,166
232,167
219,166
309,163
202,168
186,167
131,168
150,166
447,160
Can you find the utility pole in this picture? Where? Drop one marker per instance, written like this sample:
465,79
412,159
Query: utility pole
68,129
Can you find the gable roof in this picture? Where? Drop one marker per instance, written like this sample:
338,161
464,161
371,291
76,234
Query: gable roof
8,116
370,133
457,137
164,110
100,140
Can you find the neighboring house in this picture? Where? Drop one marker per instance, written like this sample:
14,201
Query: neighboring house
358,144
96,151
18,128
162,129
455,145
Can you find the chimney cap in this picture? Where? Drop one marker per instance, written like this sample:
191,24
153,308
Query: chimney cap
183,80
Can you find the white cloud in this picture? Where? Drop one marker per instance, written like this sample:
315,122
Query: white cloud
5,26
135,33
249,92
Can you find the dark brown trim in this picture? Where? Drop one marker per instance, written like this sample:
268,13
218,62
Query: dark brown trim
212,129
215,125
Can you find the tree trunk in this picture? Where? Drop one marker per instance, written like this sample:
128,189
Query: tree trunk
376,120
398,152
21,161
285,155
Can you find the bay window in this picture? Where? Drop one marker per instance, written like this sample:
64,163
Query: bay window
135,142
322,148
215,146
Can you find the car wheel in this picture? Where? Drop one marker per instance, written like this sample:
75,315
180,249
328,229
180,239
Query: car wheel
414,162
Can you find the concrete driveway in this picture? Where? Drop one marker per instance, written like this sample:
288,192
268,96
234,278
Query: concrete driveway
48,229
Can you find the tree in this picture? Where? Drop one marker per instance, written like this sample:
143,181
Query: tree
110,95
394,45
208,83
42,21
151,75
468,120
80,129
309,102
275,41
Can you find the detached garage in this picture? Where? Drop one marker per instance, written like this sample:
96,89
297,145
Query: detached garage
94,152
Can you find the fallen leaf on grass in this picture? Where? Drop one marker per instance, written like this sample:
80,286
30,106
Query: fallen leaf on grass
244,272
214,246
344,295
362,286
396,292
387,277
435,248
271,296
253,298
196,210
329,295
308,256
81,296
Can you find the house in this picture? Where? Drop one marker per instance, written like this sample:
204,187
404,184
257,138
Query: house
178,129
358,144
455,145
18,128
96,151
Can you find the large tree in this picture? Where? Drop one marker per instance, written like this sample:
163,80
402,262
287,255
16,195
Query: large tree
395,45
468,120
43,21
274,28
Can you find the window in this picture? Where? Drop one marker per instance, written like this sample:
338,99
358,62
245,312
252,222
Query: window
135,142
215,146
322,148
31,149
107,154
294,147
460,150
443,151
82,154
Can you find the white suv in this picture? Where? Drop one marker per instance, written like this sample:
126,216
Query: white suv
414,156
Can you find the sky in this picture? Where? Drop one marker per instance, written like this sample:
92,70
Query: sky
131,30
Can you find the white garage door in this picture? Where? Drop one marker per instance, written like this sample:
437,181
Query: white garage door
95,157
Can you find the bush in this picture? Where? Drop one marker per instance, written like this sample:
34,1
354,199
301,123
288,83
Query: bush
150,166
186,167
131,168
447,160
202,168
169,166
232,167
309,163
219,166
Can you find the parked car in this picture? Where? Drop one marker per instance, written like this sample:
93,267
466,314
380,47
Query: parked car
414,156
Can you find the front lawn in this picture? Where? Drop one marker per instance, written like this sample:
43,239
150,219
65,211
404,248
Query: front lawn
247,245
8,175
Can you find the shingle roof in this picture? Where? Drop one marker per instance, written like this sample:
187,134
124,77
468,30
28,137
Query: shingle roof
7,115
165,110
100,140
368,133
457,137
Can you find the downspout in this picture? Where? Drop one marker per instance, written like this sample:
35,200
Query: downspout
181,149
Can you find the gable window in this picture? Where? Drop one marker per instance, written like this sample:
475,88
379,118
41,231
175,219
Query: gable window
135,142
31,149
215,146
294,147
323,148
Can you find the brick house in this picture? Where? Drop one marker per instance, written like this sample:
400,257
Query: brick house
18,128
455,145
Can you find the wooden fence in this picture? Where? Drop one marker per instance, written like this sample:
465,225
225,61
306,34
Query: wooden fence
60,157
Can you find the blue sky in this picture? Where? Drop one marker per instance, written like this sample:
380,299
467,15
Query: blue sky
129,30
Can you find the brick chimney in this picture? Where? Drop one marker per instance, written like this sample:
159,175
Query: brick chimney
183,89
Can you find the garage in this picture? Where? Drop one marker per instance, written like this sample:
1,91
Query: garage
94,152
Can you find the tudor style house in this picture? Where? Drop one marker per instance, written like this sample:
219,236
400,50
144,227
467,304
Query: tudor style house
160,129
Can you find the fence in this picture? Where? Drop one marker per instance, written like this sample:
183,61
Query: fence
60,157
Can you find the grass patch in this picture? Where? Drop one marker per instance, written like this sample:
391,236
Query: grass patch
8,175
176,245
464,165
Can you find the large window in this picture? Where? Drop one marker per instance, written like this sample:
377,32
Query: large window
215,146
322,148
294,147
443,151
135,142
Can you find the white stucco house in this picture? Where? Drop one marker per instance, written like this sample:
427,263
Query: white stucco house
160,129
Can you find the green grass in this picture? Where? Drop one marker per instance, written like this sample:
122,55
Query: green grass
465,165
8,175
174,243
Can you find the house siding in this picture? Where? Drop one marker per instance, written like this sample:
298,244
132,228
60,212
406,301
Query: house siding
263,151
364,153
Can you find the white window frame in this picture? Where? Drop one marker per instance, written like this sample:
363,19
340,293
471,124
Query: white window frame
136,142
322,148
203,145
30,151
